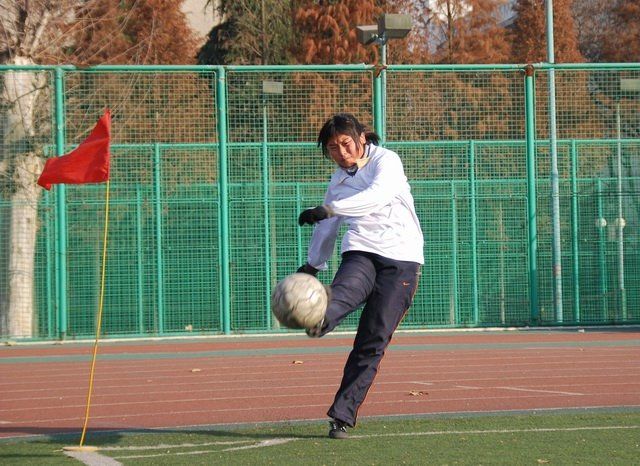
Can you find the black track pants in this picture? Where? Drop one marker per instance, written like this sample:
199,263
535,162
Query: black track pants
386,287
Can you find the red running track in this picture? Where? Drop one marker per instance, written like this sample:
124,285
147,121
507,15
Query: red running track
221,380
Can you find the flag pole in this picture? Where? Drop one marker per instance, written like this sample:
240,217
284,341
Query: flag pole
81,446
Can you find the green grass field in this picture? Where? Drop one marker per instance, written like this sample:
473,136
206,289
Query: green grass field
561,438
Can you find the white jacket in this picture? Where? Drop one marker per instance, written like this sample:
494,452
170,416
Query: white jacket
377,207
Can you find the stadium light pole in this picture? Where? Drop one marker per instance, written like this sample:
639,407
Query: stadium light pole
269,88
628,87
555,178
390,26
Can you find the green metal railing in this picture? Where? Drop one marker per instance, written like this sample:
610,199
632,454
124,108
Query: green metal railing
209,174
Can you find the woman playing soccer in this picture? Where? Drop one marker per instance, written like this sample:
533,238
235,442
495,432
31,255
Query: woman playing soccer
382,251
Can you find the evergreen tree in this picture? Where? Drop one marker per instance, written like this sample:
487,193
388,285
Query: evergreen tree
595,22
528,38
327,31
253,32
131,32
469,31
622,44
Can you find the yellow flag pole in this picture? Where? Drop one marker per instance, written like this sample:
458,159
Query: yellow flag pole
82,447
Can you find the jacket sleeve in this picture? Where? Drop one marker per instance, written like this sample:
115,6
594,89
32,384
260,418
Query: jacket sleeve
388,181
322,244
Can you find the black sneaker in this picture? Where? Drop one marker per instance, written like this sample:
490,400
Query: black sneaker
338,429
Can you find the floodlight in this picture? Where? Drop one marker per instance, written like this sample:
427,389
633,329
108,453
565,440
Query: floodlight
367,34
394,26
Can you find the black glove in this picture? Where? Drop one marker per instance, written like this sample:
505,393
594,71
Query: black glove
306,268
311,216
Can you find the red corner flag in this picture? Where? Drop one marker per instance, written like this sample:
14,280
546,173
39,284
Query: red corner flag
87,163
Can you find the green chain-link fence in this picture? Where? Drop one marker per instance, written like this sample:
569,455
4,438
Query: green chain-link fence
211,165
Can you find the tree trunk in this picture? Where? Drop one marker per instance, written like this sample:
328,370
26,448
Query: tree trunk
19,169
22,246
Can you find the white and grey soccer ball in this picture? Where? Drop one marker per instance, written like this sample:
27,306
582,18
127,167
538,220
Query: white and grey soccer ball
299,301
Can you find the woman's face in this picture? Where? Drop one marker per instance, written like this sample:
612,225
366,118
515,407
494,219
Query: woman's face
344,150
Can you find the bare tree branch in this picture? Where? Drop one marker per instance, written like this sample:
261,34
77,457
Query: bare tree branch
39,32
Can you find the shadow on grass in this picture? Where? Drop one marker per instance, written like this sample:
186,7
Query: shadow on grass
110,436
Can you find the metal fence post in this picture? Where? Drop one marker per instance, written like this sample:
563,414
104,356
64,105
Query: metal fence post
378,105
602,253
556,245
454,311
157,190
474,231
139,261
300,252
223,183
266,215
530,136
61,213
620,222
574,231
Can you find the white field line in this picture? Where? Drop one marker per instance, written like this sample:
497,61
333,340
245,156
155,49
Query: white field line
555,392
281,441
495,431
163,446
520,389
264,443
91,458
261,444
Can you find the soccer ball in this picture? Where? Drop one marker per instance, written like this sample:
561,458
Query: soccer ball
299,301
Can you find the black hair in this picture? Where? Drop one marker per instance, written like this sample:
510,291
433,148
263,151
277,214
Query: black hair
347,124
